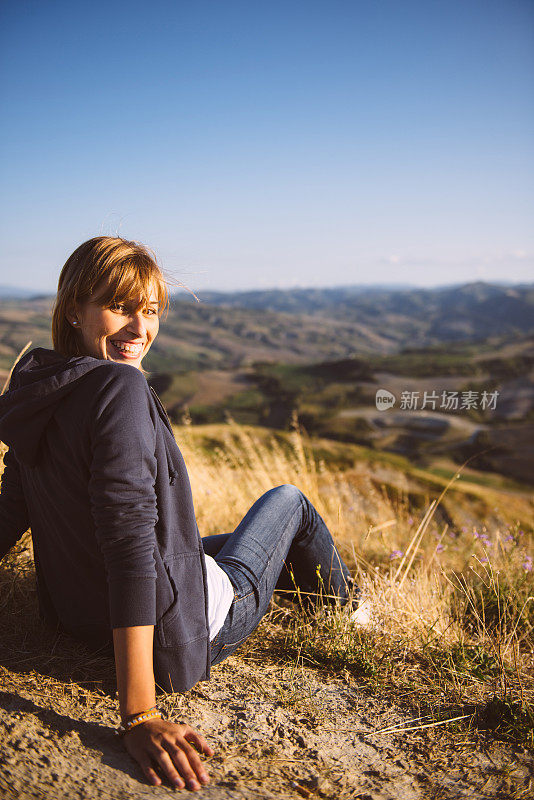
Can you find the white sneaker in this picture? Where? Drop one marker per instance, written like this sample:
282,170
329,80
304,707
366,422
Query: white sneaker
363,614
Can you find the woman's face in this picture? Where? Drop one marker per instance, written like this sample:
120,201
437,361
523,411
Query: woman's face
119,333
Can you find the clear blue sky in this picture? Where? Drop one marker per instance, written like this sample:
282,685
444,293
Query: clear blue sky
257,144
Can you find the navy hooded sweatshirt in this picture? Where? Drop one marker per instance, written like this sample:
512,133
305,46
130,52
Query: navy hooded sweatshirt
93,468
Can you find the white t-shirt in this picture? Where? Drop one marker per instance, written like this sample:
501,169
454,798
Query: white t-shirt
220,596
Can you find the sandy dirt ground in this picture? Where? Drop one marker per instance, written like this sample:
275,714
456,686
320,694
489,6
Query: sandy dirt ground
277,732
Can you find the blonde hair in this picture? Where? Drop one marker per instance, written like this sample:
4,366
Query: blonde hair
117,270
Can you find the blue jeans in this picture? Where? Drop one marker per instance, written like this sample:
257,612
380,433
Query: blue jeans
281,534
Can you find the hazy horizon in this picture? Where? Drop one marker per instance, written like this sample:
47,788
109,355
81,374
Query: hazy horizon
13,291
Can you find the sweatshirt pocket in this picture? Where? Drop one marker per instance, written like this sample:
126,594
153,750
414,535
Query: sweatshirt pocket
185,619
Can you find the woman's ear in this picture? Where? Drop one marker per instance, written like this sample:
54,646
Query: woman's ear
72,315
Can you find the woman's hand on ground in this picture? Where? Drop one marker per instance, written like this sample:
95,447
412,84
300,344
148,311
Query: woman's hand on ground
170,747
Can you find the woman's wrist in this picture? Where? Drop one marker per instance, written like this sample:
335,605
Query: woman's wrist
138,719
133,705
127,717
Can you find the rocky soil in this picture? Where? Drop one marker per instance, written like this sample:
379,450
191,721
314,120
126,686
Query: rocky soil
277,732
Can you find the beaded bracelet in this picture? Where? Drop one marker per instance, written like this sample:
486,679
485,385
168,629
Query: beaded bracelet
132,716
137,720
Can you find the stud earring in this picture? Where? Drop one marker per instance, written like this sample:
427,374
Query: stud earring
75,322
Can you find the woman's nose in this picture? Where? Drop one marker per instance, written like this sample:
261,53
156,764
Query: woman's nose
137,324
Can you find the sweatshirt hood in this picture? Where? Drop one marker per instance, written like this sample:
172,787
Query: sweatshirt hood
40,380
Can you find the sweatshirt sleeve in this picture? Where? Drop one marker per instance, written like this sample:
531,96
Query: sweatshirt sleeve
123,499
14,518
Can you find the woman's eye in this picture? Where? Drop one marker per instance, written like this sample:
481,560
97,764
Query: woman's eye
121,308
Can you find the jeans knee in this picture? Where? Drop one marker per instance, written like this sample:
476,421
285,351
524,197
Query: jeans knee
291,499
288,492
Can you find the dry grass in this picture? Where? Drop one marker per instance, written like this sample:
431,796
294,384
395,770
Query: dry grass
453,609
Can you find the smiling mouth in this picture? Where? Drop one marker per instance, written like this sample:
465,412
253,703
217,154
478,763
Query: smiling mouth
127,350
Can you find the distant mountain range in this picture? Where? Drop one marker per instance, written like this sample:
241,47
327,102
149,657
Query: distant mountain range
450,311
408,316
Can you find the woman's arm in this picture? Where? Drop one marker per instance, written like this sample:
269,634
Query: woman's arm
135,674
14,518
124,507
156,742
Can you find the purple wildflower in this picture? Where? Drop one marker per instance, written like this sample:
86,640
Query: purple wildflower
396,554
509,538
484,560
439,548
527,564
410,520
